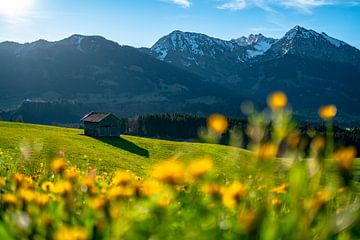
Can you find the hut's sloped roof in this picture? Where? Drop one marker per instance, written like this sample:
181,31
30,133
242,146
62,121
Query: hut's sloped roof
94,117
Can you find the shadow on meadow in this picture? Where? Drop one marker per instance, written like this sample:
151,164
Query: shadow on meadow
125,145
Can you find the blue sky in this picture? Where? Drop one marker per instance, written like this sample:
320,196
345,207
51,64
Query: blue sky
142,22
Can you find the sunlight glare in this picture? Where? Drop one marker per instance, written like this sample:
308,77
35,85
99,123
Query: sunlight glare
15,8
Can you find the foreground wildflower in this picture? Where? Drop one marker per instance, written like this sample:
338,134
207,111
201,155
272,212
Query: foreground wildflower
67,233
9,198
277,100
62,188
280,189
26,195
267,151
121,191
151,187
344,158
218,123
47,186
212,189
122,177
2,182
42,199
99,202
170,171
199,168
232,194
327,112
58,165
246,220
71,173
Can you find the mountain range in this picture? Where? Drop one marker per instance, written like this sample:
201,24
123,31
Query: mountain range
184,72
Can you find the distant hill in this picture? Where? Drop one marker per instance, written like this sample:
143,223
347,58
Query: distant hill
106,154
182,72
98,72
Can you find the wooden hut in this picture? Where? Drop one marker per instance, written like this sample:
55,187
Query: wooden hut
101,125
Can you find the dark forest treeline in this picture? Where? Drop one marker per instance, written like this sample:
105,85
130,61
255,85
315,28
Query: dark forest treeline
187,127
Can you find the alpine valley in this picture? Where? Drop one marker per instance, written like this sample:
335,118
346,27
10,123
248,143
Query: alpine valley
181,72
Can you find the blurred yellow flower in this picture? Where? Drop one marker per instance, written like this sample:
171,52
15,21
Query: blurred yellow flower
71,173
47,186
233,193
275,201
267,151
277,100
9,198
327,112
58,165
164,200
318,200
344,157
199,168
120,191
71,233
122,177
212,189
218,123
42,199
62,188
318,143
2,182
280,189
151,187
170,171
88,185
246,220
98,202
26,195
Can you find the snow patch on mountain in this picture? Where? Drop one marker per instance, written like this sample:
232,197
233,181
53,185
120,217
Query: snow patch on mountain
333,41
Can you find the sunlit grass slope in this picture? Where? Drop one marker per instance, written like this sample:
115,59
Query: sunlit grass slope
43,143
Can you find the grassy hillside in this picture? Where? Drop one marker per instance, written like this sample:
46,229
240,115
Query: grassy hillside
43,143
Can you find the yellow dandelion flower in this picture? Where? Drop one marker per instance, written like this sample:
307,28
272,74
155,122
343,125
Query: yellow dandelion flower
2,182
164,200
9,198
47,186
267,151
151,187
218,123
120,191
58,165
318,143
294,139
74,233
277,100
344,158
327,112
98,203
42,199
199,168
280,189
246,220
319,200
71,173
212,189
275,201
62,188
27,195
170,171
122,177
88,185
18,178
232,194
